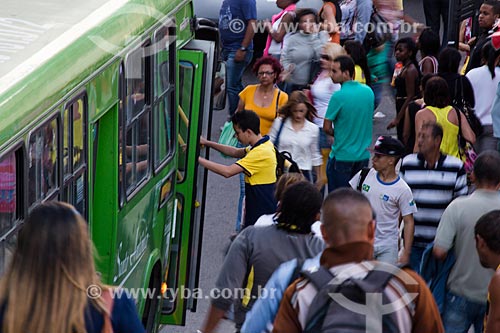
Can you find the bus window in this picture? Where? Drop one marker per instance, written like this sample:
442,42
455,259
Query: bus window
136,151
186,79
42,155
163,94
10,182
8,195
73,137
74,164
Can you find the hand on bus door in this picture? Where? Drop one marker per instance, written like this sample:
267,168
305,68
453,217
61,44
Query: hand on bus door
203,142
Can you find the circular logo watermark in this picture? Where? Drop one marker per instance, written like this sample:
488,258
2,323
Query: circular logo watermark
94,291
375,306
236,26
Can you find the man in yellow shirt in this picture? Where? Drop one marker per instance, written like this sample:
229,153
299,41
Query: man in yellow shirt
257,161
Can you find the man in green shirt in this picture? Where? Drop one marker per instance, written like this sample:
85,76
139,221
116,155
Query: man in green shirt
350,112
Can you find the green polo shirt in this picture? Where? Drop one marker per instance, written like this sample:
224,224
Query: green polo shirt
351,111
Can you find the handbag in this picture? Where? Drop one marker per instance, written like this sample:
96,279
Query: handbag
379,31
461,104
228,136
314,70
465,149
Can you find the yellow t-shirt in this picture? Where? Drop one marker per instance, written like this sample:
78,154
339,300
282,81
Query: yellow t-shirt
449,144
359,75
266,114
399,4
259,164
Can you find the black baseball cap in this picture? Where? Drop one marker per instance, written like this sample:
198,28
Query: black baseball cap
387,145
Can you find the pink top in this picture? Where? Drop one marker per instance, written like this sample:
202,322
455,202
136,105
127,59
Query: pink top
274,18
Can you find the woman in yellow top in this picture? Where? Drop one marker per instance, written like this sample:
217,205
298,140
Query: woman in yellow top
439,110
264,98
358,54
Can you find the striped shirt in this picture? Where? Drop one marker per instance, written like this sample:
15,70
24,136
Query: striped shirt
433,190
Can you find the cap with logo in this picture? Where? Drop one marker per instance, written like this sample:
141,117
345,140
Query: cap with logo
387,145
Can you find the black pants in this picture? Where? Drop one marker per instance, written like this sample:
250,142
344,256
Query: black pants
434,10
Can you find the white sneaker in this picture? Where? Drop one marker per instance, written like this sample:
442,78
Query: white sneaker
379,115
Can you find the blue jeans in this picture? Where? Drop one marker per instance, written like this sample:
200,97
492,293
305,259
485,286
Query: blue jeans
234,73
460,313
416,257
386,253
364,9
339,173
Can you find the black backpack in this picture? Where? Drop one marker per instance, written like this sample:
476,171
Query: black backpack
285,163
284,160
327,315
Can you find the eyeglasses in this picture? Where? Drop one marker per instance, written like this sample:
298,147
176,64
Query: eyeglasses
265,73
325,57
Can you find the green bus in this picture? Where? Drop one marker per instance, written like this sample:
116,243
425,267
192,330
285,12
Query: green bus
101,105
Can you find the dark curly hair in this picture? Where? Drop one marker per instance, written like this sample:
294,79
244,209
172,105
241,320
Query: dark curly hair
429,42
436,92
300,204
298,97
268,60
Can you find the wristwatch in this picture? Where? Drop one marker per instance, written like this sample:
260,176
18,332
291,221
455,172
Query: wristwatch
242,48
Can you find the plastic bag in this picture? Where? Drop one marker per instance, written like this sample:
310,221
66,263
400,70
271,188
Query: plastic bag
227,136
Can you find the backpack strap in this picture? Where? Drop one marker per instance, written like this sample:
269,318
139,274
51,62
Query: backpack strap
277,102
319,305
362,177
277,140
375,281
108,300
318,278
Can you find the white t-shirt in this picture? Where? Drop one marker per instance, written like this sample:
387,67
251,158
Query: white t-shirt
388,200
322,90
275,47
484,91
268,219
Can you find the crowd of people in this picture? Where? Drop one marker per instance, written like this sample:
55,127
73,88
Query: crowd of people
430,198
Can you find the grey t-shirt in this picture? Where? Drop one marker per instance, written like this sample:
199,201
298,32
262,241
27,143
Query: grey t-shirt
255,254
456,229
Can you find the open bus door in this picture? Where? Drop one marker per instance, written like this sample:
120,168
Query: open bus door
196,72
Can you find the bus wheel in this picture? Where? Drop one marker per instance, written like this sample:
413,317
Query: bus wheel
150,314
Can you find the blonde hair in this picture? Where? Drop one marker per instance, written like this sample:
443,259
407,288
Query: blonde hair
45,287
333,50
285,181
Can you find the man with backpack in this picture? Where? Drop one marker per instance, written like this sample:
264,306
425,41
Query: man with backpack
350,293
257,162
390,198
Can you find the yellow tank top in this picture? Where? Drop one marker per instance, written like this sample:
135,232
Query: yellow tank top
359,75
267,114
449,144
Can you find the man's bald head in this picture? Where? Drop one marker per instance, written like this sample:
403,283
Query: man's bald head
347,217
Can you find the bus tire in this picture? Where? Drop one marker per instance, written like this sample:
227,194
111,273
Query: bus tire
150,314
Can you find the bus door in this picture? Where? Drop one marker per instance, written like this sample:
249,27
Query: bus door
195,74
